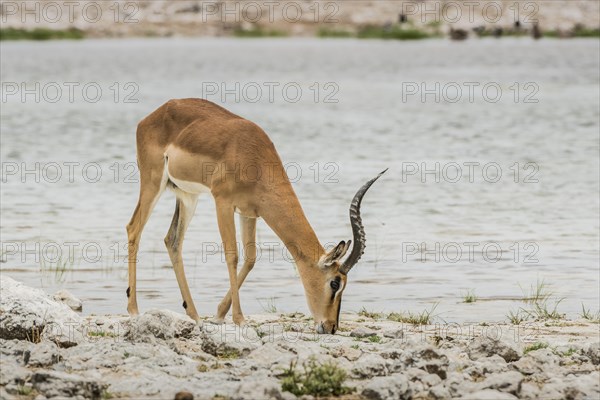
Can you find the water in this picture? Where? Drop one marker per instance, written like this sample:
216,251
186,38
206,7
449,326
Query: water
547,230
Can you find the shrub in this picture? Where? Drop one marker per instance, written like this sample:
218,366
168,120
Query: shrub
316,379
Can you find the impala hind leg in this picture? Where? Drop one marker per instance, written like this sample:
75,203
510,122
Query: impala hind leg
248,226
184,211
149,195
226,224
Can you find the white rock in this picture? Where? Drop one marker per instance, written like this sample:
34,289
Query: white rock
362,332
527,365
529,390
430,380
368,366
268,389
427,358
488,395
439,392
394,333
271,356
54,383
509,382
493,364
387,387
545,358
42,355
12,372
64,296
229,340
4,394
485,347
30,314
159,324
572,387
459,383
593,352
391,350
350,353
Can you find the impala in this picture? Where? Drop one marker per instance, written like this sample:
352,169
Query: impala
193,146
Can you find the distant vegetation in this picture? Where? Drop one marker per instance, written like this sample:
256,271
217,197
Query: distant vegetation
395,31
257,32
577,31
40,34
334,33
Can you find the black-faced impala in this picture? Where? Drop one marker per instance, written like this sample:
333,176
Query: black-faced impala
193,146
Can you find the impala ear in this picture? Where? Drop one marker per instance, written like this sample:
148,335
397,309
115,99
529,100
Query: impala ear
335,254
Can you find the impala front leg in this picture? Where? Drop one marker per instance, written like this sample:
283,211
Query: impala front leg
226,223
149,194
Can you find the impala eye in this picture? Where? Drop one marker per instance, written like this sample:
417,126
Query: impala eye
335,285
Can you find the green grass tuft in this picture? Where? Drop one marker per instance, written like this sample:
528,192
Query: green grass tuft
269,305
423,318
106,395
590,315
24,390
516,317
370,314
469,296
101,334
570,352
539,293
375,339
535,346
539,297
542,311
316,379
228,354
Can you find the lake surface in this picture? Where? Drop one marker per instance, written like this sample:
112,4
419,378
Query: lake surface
492,147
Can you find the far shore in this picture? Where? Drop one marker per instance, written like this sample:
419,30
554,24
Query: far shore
43,34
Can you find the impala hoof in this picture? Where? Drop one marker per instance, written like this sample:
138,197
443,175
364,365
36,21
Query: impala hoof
216,321
133,311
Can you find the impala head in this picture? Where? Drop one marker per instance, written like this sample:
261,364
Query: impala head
324,289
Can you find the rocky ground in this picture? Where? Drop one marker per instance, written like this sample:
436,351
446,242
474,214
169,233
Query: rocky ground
50,351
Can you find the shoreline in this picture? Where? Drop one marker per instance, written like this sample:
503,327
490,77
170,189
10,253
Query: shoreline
12,34
49,351
405,20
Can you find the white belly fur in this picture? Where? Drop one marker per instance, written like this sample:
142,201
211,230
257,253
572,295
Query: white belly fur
188,191
186,186
190,187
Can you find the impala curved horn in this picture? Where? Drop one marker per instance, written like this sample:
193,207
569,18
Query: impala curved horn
358,230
